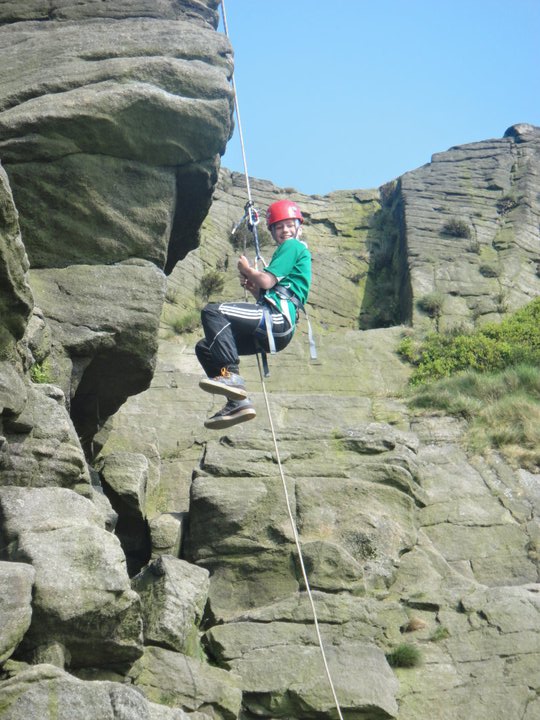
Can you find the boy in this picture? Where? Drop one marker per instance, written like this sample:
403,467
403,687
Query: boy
234,329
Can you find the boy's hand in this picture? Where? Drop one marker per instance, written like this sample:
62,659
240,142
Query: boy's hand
248,284
243,264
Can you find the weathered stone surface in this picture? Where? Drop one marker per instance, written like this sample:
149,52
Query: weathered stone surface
126,111
44,691
176,74
58,532
202,11
480,536
13,389
166,534
104,322
173,595
16,580
490,656
124,478
15,296
180,681
492,188
283,673
240,522
240,529
126,475
43,449
127,213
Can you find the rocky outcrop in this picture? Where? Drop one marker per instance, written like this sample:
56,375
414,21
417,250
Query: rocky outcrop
178,680
111,137
113,117
56,531
470,219
174,595
39,691
15,605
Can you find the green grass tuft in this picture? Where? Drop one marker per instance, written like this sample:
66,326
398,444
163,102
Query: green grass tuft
212,283
492,348
186,323
502,408
441,633
404,656
41,372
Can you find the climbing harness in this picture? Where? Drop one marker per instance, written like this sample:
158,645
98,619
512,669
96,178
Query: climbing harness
286,293
249,216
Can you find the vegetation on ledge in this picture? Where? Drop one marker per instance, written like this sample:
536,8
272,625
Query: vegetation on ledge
490,377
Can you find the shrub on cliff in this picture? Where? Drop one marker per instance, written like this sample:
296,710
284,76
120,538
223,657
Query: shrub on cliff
455,227
492,348
491,378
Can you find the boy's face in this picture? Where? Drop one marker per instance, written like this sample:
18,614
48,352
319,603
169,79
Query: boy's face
283,230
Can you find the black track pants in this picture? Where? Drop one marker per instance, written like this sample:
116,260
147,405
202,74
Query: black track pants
234,329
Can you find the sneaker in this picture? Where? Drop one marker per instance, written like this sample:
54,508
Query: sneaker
228,384
234,412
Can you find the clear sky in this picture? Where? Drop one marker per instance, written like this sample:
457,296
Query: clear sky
347,94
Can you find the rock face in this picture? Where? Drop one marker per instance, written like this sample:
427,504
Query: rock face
112,120
15,605
15,299
53,530
113,117
149,567
405,538
471,221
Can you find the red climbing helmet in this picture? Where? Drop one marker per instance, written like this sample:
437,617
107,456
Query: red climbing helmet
283,210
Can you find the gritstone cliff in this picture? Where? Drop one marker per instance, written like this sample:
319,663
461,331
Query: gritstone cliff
147,566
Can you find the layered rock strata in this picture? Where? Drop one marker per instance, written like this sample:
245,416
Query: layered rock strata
112,119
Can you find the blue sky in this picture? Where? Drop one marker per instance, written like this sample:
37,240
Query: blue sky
346,94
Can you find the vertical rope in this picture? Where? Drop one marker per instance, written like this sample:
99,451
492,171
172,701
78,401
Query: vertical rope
298,546
237,109
271,422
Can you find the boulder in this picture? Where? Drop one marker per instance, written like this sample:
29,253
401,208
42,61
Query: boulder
44,691
283,673
13,389
126,476
16,581
180,681
104,323
113,133
173,595
202,12
166,531
473,208
43,449
58,532
239,530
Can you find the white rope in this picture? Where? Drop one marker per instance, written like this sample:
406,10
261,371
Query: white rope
287,500
237,108
298,546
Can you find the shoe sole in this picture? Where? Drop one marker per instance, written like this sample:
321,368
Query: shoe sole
218,388
230,420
